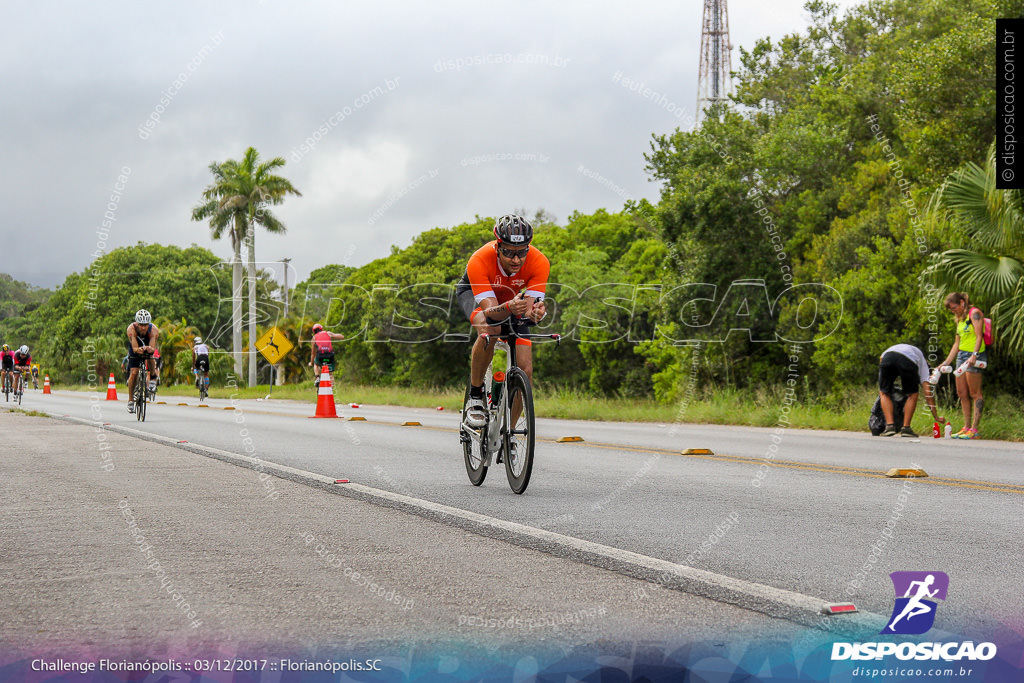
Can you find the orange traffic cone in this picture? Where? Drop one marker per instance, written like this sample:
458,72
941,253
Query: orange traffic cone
46,384
111,389
325,397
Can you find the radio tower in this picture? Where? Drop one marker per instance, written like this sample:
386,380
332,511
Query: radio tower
713,83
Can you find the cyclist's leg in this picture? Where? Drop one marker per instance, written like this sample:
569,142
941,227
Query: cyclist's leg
481,355
133,377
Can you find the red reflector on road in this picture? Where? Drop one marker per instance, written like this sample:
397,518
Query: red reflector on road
341,481
839,609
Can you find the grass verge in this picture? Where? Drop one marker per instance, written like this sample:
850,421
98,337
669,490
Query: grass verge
1003,418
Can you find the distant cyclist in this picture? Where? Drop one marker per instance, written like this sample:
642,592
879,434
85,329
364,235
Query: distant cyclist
322,352
142,336
201,361
7,366
23,364
35,375
505,278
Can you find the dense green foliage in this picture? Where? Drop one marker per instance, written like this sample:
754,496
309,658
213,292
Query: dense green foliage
82,327
18,298
843,134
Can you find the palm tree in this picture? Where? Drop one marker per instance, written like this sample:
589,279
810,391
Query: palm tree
992,221
237,201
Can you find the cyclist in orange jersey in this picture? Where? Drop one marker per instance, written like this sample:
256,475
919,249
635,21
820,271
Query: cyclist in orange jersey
506,278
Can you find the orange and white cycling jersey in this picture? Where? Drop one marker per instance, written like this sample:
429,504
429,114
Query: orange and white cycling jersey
489,281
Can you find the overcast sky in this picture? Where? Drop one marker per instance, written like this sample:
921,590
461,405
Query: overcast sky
413,115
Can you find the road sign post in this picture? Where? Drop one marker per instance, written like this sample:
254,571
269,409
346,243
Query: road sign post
274,345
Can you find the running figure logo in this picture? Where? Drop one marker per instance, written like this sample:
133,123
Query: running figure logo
914,612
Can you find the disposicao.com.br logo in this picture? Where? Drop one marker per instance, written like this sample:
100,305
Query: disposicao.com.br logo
914,613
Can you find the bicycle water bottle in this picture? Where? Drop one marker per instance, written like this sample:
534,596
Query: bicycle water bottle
949,431
497,383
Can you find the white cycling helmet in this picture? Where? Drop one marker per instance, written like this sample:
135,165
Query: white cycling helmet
143,317
198,340
23,349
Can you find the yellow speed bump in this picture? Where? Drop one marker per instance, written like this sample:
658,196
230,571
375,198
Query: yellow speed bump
357,419
161,403
906,472
202,405
182,404
411,424
229,407
698,451
569,439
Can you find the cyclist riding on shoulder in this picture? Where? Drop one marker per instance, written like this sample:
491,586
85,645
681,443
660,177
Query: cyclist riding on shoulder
35,375
201,360
322,352
506,278
7,366
23,364
142,336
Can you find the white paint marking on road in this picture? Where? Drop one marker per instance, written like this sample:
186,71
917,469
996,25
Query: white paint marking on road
747,594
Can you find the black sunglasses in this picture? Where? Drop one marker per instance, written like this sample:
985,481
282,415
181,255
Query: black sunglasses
514,253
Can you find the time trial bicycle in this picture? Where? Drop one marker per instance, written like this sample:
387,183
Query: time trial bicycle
507,393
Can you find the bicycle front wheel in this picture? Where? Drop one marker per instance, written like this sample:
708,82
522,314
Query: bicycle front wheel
519,438
473,446
140,405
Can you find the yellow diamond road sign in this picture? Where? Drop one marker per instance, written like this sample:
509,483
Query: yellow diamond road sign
274,345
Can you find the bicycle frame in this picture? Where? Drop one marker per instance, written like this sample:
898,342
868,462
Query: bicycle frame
501,416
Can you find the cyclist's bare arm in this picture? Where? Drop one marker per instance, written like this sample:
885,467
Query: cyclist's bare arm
133,340
153,339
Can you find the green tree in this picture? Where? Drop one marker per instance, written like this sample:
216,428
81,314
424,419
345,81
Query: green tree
239,199
988,260
101,300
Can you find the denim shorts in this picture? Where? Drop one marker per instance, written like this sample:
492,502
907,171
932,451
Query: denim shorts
962,356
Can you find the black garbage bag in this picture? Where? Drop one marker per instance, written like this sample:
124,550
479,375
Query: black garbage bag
876,422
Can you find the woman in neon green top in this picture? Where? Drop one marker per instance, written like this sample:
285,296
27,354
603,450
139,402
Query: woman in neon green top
969,347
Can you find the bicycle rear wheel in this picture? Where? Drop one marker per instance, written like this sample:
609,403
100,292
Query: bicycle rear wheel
519,440
473,445
140,402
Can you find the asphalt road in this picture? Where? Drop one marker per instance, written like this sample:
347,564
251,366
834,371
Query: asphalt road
807,513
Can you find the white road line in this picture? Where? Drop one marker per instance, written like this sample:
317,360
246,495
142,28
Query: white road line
772,601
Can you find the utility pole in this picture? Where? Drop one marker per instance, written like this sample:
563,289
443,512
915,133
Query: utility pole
714,81
280,378
286,261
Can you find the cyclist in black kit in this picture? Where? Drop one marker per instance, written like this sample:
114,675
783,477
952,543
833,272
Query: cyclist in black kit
142,336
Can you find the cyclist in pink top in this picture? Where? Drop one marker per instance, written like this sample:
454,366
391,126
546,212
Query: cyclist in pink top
322,352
